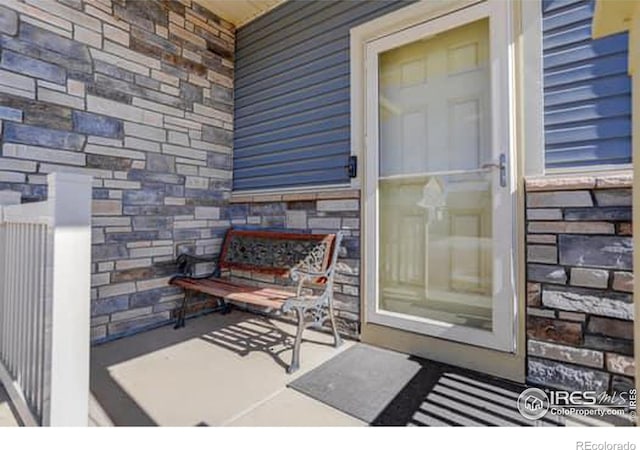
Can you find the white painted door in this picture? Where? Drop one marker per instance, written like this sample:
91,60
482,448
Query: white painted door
438,194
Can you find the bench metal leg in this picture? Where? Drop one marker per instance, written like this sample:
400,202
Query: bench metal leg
225,306
337,340
295,358
180,319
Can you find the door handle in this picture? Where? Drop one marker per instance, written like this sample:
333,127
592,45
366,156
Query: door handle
501,165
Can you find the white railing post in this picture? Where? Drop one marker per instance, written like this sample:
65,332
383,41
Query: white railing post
68,327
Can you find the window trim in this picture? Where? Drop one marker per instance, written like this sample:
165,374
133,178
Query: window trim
242,194
588,170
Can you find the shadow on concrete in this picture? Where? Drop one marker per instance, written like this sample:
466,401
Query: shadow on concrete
258,334
443,395
387,388
239,332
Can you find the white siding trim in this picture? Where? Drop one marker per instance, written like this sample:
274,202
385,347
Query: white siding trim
589,170
532,80
292,190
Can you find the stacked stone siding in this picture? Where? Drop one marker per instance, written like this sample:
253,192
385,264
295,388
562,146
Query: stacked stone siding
580,283
322,212
137,94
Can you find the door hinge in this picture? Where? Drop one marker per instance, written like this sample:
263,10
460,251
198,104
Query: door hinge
352,167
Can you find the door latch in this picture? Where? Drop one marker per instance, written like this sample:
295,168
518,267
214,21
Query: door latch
501,165
352,167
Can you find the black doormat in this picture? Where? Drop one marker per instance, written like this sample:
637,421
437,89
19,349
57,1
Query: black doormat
383,387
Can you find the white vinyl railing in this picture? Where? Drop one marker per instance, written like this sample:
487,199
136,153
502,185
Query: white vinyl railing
45,257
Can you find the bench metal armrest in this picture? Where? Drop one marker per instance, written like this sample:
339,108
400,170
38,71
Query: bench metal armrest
297,273
302,276
186,264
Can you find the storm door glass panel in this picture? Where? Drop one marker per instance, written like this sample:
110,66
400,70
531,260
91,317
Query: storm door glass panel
435,198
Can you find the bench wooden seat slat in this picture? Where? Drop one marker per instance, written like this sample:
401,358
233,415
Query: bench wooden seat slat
255,299
232,291
210,287
309,259
276,294
212,282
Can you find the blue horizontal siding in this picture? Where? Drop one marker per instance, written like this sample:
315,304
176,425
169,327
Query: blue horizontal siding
594,91
326,111
590,70
296,154
606,151
587,90
286,108
584,51
318,138
292,96
588,131
576,34
333,56
321,162
580,112
308,94
560,14
333,75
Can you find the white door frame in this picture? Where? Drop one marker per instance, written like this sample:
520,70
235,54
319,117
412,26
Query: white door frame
503,140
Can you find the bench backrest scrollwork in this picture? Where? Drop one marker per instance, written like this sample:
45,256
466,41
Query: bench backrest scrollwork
276,253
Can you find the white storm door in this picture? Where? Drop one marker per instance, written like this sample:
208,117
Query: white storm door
438,190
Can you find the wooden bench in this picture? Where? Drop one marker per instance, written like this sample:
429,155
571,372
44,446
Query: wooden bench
309,260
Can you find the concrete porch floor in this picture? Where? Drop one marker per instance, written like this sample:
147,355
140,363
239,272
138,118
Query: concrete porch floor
231,371
217,371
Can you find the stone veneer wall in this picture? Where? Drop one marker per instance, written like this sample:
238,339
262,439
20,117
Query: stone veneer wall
580,283
137,94
321,212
